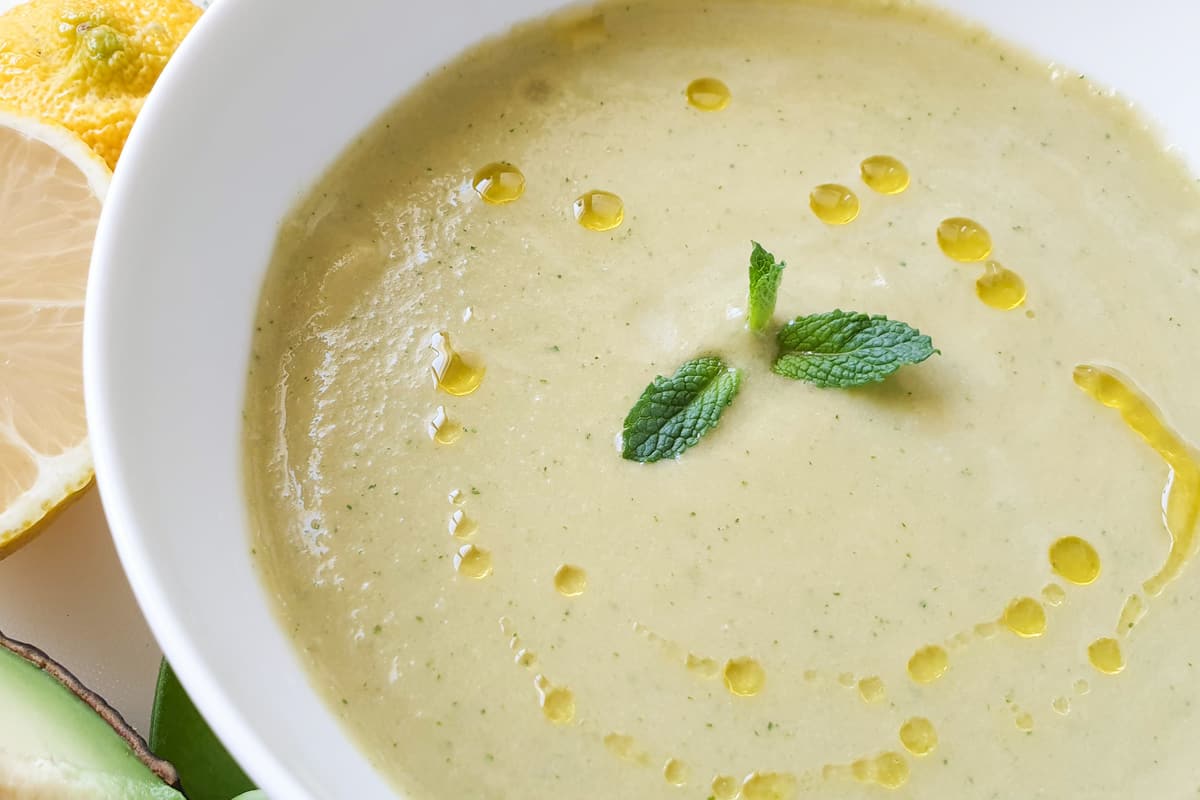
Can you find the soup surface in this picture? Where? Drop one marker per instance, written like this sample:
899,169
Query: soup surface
966,581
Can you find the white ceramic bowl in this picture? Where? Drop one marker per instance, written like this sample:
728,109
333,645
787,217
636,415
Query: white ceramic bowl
260,99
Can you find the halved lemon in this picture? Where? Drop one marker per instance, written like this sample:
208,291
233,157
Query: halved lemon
51,188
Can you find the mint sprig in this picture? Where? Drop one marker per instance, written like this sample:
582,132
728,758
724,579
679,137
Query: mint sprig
765,276
834,350
673,413
842,349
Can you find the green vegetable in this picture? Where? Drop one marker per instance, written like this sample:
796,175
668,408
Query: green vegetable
673,413
841,349
179,733
837,349
60,739
765,275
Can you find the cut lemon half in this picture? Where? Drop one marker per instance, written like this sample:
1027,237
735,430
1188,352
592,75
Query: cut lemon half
51,188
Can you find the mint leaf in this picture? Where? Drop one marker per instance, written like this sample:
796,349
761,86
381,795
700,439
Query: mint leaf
840,349
673,413
765,275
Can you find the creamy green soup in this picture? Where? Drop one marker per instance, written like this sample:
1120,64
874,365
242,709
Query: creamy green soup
966,581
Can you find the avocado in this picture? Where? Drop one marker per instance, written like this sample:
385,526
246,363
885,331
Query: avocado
59,739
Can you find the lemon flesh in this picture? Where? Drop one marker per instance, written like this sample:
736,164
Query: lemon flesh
51,189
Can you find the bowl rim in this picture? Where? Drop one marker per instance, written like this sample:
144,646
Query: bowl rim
112,464
229,722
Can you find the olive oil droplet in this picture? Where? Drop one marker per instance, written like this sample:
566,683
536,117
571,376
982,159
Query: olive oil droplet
1024,721
986,630
1105,655
1181,506
461,526
769,786
570,581
724,787
928,664
1061,705
918,736
558,702
499,183
964,239
1075,559
891,770
744,676
708,94
701,665
586,32
833,204
1053,594
1000,287
1025,617
441,429
473,562
675,772
598,210
1081,687
621,746
1131,614
871,689
884,174
451,373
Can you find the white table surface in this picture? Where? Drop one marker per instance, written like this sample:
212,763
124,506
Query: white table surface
65,592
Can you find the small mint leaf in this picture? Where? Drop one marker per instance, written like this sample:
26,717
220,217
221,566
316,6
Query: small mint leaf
840,349
673,413
765,275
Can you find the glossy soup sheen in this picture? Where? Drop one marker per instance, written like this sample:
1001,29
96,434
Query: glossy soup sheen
960,583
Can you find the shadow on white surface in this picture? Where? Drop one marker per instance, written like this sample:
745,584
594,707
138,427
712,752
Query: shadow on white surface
65,592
